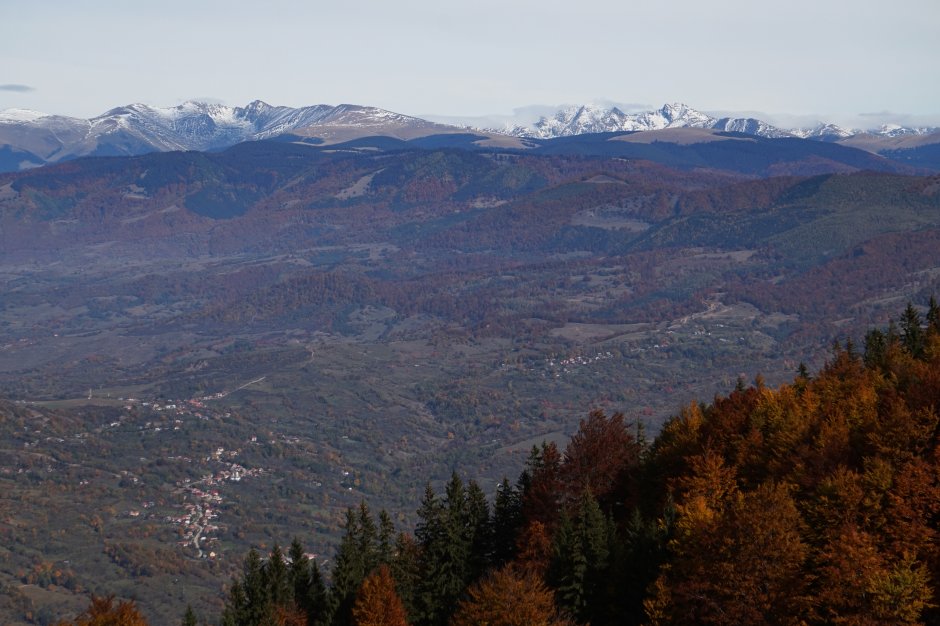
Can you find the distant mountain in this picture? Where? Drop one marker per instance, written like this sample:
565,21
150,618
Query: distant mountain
584,119
30,138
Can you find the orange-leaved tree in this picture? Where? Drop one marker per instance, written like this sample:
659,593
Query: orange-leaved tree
104,612
377,603
508,597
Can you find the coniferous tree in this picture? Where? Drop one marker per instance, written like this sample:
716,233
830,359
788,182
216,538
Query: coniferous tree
933,315
406,570
234,613
445,534
431,536
507,520
479,532
876,349
249,602
277,578
386,538
348,569
298,572
367,540
581,551
189,617
317,600
912,335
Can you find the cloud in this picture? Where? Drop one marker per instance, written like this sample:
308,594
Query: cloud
17,88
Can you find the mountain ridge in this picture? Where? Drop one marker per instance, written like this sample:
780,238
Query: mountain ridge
31,138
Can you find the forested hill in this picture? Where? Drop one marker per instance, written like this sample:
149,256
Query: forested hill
817,502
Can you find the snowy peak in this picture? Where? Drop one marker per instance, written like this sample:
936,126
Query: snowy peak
749,126
577,120
825,132
140,128
13,116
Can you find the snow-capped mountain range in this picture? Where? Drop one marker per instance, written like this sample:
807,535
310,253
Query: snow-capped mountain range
30,138
39,138
581,119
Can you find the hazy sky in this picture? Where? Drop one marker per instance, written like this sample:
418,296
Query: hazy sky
839,59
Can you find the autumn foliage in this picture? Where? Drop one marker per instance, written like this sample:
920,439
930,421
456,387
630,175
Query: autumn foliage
377,603
104,612
508,598
817,502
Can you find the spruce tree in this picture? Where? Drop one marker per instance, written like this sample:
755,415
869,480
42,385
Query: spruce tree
581,555
316,602
912,335
507,520
277,578
386,538
478,532
933,315
298,572
367,541
348,571
406,569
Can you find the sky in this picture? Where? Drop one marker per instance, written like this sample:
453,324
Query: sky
858,62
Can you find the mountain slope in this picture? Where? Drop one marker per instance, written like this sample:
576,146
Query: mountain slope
31,138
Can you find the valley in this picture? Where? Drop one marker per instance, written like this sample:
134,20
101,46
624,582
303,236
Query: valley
202,353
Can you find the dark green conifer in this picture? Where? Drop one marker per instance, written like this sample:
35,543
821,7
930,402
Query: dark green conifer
407,572
386,538
298,572
478,532
348,571
507,520
277,578
367,541
933,315
316,602
581,554
912,335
